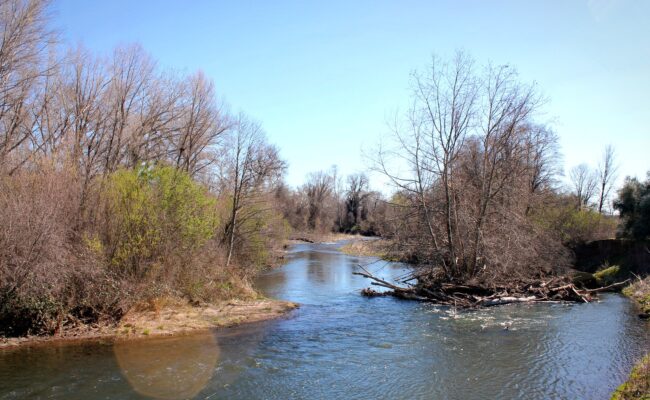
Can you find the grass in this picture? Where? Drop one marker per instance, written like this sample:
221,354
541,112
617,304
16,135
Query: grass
637,387
370,248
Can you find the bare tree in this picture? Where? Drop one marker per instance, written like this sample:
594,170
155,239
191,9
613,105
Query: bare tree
476,159
249,166
131,71
438,122
23,65
356,194
541,158
319,190
606,175
584,182
202,124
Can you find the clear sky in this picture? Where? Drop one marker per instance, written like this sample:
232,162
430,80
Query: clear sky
323,76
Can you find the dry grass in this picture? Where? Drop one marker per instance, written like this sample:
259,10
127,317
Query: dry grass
639,291
319,237
183,318
382,248
369,248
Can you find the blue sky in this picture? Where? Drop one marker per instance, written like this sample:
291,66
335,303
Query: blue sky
324,76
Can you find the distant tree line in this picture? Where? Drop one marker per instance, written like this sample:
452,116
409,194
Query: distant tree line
327,203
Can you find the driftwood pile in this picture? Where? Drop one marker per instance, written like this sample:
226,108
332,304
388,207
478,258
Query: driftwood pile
555,289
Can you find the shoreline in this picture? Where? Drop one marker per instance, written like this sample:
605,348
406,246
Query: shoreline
637,384
169,321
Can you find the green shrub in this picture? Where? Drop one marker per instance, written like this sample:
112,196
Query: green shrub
574,226
152,212
22,314
262,231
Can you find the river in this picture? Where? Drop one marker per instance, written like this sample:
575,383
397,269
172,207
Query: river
340,345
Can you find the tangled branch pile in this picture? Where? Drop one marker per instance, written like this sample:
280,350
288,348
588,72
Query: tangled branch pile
473,296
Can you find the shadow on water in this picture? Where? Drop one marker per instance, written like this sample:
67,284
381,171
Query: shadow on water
342,345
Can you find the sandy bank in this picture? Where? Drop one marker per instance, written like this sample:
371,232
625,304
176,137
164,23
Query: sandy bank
170,320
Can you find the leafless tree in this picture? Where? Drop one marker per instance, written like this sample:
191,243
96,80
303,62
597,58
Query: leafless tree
131,71
541,158
357,193
249,165
476,158
319,190
584,182
202,124
606,175
24,42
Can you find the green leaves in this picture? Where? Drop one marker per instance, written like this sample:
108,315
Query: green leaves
154,211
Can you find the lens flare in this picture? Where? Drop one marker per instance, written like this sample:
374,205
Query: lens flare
169,368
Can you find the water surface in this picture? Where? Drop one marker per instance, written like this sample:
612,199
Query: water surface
340,345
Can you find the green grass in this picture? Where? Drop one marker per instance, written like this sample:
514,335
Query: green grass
637,387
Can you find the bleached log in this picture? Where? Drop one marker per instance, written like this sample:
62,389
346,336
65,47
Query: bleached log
506,300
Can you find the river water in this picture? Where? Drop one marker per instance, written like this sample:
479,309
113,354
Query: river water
340,345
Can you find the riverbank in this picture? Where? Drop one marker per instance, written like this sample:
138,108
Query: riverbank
314,237
168,320
639,291
637,386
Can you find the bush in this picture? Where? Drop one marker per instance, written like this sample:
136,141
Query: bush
575,226
47,276
152,214
140,235
260,235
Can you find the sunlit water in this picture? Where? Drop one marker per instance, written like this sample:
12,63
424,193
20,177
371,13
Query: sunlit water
340,345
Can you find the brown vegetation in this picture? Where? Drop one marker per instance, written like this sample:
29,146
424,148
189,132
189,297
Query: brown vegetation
120,184
480,166
477,205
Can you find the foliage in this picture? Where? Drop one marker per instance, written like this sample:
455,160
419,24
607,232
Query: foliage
260,234
571,224
153,211
633,205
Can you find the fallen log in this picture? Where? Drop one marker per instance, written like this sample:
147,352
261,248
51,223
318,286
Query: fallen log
607,288
507,300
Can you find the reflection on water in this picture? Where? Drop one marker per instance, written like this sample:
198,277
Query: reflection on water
340,345
173,368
